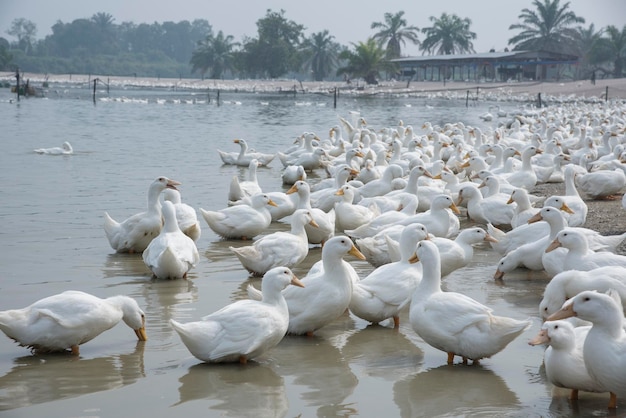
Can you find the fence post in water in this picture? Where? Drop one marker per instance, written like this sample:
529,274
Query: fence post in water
335,99
539,100
467,99
218,97
606,94
95,81
17,85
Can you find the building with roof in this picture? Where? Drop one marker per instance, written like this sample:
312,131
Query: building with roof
489,66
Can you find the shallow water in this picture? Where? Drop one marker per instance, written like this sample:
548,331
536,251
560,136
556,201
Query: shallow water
52,240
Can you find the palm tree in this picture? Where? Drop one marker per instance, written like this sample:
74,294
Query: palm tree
548,28
322,54
587,48
214,53
367,61
395,32
613,47
449,34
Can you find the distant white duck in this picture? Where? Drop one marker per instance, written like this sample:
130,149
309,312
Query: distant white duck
563,359
185,214
280,248
241,221
69,319
293,173
605,345
240,189
325,221
455,323
65,149
387,289
243,157
349,216
328,289
568,284
245,329
579,256
135,233
171,254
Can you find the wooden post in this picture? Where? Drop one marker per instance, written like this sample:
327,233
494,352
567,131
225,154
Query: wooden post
539,100
95,81
335,99
606,94
17,86
218,97
467,99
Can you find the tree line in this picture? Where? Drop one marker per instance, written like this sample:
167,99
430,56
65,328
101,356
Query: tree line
98,45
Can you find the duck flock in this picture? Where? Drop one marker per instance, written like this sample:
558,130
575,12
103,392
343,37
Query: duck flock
394,196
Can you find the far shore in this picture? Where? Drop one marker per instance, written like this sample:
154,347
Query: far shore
550,90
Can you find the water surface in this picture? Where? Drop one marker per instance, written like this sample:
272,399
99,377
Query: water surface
53,240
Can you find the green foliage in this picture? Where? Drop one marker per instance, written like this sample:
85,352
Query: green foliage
367,60
394,32
274,52
214,53
550,27
449,34
321,55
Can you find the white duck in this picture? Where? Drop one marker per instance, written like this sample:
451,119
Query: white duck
568,284
280,248
485,210
563,359
241,221
440,219
171,254
579,256
185,214
457,253
325,221
293,173
69,319
387,289
240,189
525,177
135,233
328,289
64,149
603,184
523,209
407,206
244,329
243,157
455,323
349,216
604,351
571,198
377,249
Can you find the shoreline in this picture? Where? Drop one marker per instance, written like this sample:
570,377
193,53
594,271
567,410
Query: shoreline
559,91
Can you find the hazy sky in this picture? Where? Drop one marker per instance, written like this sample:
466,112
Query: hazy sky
347,20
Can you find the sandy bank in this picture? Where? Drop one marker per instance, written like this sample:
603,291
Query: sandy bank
551,91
